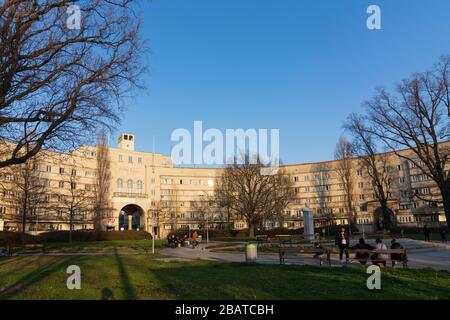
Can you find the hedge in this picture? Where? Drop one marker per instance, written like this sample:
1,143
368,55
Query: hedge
63,236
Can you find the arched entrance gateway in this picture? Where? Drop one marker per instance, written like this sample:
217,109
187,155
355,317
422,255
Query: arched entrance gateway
131,217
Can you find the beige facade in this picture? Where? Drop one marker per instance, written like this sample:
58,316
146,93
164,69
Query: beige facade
149,193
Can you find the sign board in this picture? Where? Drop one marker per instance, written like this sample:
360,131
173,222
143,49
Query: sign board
2,224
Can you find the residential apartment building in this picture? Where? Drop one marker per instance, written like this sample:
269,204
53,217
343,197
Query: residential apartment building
148,192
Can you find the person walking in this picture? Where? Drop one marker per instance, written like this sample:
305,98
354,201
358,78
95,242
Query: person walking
426,233
342,241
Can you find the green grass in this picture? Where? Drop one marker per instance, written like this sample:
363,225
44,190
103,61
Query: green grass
142,277
79,246
92,246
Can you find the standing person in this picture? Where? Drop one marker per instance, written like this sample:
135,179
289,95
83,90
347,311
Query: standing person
342,240
194,239
379,259
444,235
426,233
396,256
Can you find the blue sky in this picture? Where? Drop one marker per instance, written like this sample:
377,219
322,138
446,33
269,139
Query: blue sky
296,65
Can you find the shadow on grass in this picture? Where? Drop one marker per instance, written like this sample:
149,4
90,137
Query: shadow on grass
127,287
207,280
35,276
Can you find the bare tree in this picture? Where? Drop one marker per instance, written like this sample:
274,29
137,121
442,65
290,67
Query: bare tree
168,208
58,82
77,202
251,194
416,117
375,164
345,169
102,189
25,189
321,188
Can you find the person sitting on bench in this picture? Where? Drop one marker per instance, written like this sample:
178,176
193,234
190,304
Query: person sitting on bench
379,259
396,256
319,254
362,245
171,241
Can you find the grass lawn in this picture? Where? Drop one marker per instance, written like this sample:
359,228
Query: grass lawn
79,246
143,277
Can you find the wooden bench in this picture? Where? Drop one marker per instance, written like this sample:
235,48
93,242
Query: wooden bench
33,246
292,252
403,258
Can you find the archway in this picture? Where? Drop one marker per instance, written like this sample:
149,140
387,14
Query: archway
131,217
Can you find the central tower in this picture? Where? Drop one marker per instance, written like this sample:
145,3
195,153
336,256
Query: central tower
126,141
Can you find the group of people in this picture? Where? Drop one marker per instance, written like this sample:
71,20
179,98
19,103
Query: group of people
380,259
175,241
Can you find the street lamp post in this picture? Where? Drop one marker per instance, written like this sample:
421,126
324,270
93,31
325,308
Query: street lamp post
207,227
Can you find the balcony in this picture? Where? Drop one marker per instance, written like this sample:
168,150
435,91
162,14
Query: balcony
129,195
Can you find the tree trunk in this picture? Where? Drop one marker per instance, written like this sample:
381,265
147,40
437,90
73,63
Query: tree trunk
24,217
70,228
251,230
446,202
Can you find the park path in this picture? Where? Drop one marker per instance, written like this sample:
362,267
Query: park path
420,255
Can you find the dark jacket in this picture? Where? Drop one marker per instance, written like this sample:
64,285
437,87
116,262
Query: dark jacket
339,238
360,246
396,256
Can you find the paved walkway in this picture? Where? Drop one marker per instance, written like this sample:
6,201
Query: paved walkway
420,255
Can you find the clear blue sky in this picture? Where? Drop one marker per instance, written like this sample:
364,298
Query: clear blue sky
296,65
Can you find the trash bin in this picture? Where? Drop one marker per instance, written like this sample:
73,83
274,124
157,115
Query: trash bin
251,253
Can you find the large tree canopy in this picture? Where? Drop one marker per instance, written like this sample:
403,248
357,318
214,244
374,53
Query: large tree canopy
58,83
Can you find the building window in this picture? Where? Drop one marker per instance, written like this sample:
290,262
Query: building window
48,168
139,186
119,185
61,170
74,172
359,172
130,159
61,184
360,185
73,185
130,186
139,160
87,187
120,158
